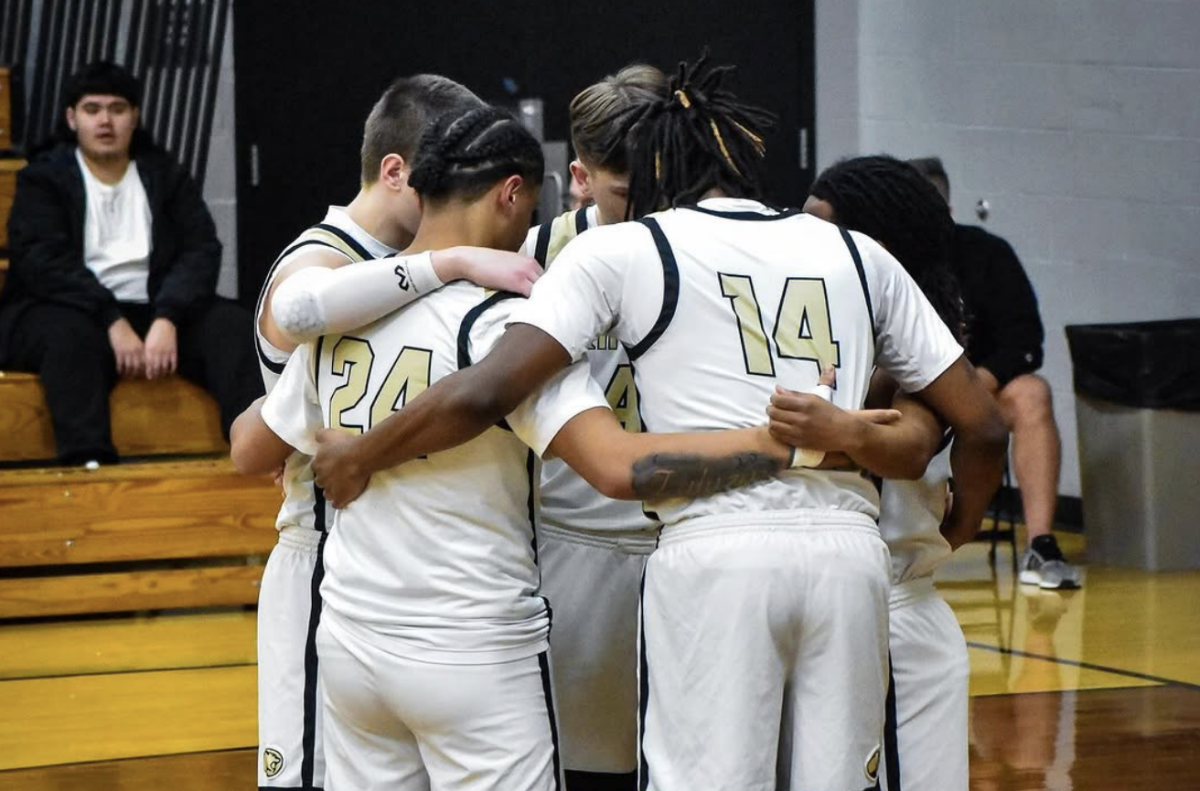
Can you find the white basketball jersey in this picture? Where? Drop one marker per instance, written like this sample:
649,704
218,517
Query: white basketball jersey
567,501
910,519
719,303
341,234
437,556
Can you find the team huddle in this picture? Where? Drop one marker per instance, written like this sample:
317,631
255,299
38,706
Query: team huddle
657,520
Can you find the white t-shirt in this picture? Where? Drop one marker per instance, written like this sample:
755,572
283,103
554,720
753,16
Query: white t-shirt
435,561
117,232
733,299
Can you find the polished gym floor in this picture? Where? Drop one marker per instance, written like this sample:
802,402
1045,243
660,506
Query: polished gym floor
1096,689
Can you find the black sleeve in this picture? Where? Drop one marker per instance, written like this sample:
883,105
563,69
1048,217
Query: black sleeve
46,261
1005,313
191,278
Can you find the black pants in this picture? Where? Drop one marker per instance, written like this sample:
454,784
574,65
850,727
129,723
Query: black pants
71,353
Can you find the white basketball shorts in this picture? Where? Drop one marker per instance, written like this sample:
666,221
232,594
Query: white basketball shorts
925,739
397,724
592,581
289,703
764,649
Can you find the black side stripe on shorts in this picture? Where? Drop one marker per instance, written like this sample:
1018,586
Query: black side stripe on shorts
548,691
350,241
890,748
581,223
309,736
862,276
643,688
670,289
542,249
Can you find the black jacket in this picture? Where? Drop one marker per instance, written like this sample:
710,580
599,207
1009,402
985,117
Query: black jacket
45,233
1004,330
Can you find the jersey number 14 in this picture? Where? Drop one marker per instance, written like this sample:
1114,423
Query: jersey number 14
803,329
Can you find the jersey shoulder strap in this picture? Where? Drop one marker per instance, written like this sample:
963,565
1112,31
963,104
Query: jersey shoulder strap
862,276
670,289
554,235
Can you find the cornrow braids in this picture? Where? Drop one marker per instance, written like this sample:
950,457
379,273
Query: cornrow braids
890,201
697,138
462,156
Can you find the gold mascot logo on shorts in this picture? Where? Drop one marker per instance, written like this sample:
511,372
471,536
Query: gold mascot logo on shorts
871,767
272,762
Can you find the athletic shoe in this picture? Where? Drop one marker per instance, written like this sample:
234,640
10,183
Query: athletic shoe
1043,565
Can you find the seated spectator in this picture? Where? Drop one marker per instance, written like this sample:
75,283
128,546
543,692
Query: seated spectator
1004,341
114,263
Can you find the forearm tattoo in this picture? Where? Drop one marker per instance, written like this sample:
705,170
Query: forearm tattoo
662,475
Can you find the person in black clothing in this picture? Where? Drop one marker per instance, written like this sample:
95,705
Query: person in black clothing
114,269
1004,342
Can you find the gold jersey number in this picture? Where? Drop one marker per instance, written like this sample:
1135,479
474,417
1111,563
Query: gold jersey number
352,360
803,328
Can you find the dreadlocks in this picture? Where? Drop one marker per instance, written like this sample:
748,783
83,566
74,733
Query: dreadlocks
891,202
696,139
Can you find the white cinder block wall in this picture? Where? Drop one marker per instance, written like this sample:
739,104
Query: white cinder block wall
1077,120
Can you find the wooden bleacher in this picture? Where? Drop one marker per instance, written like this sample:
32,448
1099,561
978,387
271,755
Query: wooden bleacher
6,111
168,416
111,540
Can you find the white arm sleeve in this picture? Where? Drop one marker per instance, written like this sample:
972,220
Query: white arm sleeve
319,301
292,410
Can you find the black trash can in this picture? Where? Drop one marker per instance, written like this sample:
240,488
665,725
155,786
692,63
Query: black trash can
1137,406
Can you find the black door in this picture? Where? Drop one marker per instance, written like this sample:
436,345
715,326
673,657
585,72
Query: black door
307,74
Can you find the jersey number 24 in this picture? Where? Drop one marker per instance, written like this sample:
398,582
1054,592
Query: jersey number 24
353,359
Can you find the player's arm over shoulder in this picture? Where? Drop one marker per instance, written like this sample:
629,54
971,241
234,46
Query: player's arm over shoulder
316,258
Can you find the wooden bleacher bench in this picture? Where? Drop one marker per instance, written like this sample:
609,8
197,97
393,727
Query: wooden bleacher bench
170,416
132,537
6,111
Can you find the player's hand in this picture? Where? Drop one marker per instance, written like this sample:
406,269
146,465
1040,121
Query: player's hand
497,269
336,469
127,349
161,349
805,420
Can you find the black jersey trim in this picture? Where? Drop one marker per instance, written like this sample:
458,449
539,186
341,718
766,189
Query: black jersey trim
862,275
350,241
309,735
464,333
783,214
581,221
643,687
468,323
890,741
670,289
548,692
542,249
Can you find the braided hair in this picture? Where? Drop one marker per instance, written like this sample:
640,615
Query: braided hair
463,156
890,201
697,138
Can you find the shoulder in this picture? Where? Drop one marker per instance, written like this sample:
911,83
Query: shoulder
973,237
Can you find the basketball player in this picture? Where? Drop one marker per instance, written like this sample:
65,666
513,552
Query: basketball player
592,549
381,219
764,609
433,637
926,732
